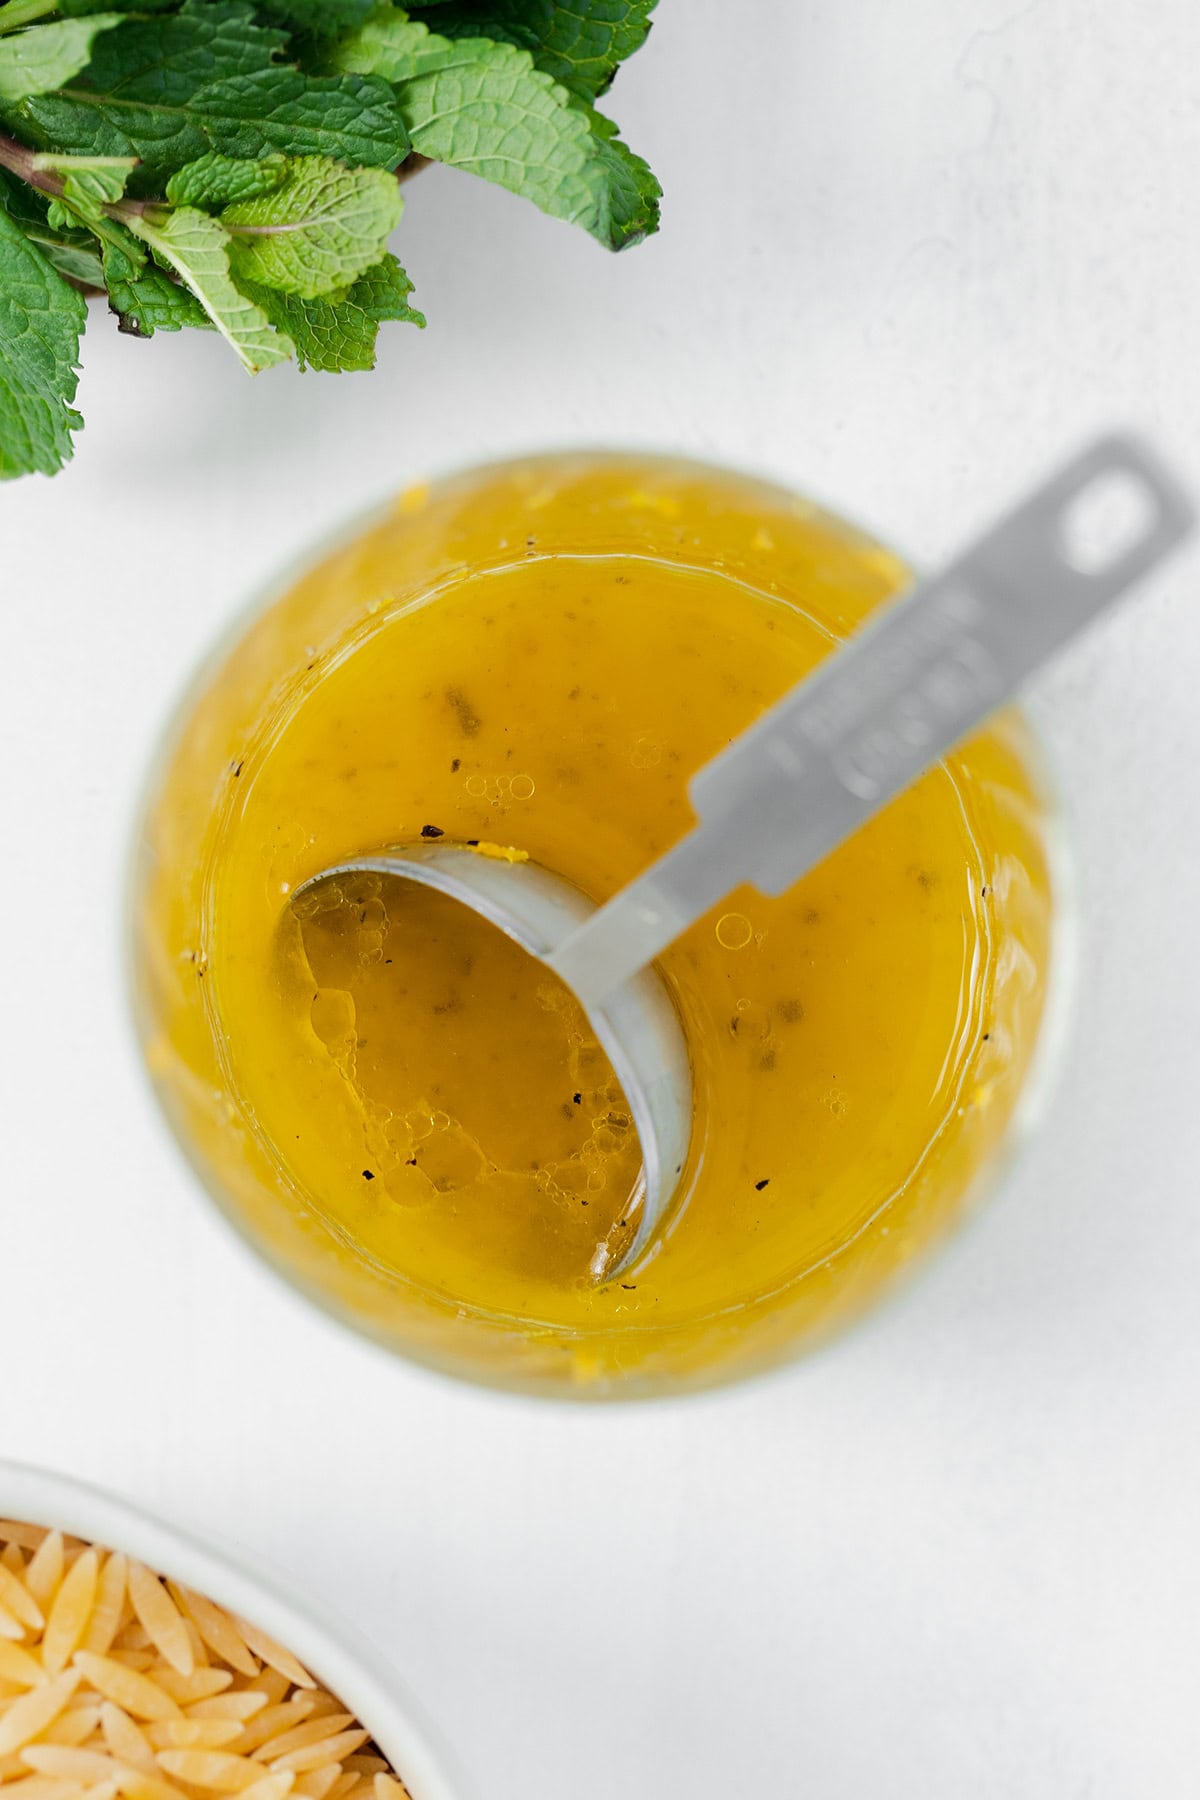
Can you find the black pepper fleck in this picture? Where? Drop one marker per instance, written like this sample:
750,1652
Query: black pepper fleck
237,769
432,831
368,1174
456,765
629,1286
468,718
578,1099
760,1185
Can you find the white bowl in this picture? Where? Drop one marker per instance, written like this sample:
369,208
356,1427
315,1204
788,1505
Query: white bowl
346,1663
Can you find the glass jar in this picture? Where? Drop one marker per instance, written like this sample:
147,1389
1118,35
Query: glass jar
537,656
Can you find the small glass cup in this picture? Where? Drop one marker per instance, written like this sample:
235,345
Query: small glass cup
758,539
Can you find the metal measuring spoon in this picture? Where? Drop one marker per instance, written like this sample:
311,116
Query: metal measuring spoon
885,707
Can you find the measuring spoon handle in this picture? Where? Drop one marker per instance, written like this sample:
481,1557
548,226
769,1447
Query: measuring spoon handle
889,703
933,666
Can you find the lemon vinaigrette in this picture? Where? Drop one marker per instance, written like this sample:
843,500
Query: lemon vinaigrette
408,1113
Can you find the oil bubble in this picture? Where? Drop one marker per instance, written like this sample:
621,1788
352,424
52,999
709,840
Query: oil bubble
521,787
734,931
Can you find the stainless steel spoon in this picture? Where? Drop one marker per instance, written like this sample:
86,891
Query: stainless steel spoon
885,707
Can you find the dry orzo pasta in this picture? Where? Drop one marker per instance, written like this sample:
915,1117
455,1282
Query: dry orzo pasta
118,1684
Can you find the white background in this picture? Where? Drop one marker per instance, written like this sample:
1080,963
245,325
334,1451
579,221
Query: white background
910,253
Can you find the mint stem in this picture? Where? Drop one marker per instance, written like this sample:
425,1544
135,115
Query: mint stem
20,161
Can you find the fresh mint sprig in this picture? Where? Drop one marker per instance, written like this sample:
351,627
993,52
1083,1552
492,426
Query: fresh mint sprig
235,167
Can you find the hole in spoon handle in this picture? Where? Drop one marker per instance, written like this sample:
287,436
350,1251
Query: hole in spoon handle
1073,547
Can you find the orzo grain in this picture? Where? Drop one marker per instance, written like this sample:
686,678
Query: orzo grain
118,1685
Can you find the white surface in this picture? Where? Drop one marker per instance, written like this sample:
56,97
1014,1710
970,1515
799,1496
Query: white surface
911,252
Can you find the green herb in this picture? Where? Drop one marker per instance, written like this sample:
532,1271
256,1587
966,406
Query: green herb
197,249
338,331
485,106
37,62
40,322
319,230
580,46
235,167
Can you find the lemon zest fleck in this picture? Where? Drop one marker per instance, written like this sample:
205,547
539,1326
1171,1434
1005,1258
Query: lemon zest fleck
500,852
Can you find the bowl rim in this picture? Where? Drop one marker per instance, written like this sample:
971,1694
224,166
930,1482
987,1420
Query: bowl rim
342,1658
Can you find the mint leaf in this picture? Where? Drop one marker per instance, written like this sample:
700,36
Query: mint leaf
631,189
483,106
388,44
91,185
148,300
40,322
338,333
74,261
580,44
320,18
197,248
214,181
90,182
319,231
170,89
21,202
79,9
72,252
44,57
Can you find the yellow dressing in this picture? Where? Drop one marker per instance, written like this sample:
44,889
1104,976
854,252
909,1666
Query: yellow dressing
410,1113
